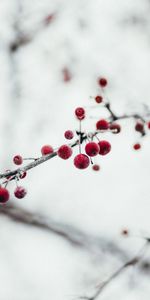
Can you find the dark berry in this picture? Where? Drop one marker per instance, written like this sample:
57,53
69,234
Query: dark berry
105,147
98,99
139,127
115,128
102,81
23,175
4,195
102,125
125,232
137,146
80,113
18,160
96,167
64,151
20,192
81,161
92,149
47,149
69,135
49,18
67,76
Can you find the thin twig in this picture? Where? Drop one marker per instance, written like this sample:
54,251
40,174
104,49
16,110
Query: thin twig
82,137
132,262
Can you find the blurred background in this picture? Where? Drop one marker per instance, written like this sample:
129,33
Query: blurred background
51,54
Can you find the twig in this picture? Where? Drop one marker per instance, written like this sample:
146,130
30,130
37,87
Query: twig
82,137
132,262
32,165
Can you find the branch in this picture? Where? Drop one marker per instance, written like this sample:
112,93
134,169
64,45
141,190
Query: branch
82,137
72,235
22,39
33,164
132,262
115,117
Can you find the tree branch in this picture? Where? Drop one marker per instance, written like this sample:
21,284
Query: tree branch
82,137
72,235
132,262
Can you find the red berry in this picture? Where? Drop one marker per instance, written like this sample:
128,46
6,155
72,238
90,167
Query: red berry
96,167
92,149
66,75
148,124
69,135
4,195
18,160
64,151
99,99
137,146
47,149
116,128
20,192
105,147
139,127
49,18
80,113
23,175
102,125
102,82
81,161
125,232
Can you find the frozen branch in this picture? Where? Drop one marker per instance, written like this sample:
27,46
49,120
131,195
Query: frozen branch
82,137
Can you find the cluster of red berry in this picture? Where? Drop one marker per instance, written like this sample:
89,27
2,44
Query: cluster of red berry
19,192
93,147
140,127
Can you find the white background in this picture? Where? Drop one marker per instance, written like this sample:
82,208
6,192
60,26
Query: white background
92,38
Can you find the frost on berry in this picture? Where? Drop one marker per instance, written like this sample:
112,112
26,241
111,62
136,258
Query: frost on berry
98,99
92,149
137,146
20,192
64,151
4,195
69,134
102,81
17,159
105,147
80,113
96,167
81,161
115,128
139,127
102,125
47,149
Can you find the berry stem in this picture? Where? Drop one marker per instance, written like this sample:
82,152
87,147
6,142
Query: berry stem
30,158
80,136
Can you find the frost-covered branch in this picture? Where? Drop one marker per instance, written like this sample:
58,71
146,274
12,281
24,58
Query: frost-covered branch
82,137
